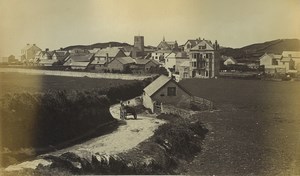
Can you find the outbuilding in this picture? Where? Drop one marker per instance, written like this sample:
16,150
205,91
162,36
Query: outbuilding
165,90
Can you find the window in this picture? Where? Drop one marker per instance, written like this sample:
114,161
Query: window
171,91
185,75
274,62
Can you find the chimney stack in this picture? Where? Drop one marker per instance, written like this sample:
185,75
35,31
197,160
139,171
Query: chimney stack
27,44
47,49
34,44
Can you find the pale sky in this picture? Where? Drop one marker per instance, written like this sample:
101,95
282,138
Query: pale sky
60,23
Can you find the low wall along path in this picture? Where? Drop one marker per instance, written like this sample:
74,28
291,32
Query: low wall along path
75,74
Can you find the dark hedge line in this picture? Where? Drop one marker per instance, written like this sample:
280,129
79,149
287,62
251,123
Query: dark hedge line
39,120
55,116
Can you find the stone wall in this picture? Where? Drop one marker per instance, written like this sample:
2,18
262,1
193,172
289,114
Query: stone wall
75,74
170,109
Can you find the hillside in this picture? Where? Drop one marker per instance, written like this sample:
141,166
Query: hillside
254,51
98,45
103,45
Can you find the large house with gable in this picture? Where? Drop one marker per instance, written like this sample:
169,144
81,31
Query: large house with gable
205,60
190,44
28,53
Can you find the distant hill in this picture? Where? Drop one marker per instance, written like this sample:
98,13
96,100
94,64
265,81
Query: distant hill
102,45
98,45
254,51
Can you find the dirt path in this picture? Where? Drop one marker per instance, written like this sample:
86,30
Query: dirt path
128,135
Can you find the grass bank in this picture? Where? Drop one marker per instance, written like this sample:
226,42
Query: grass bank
172,144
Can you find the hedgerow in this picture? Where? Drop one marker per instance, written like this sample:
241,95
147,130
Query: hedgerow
43,119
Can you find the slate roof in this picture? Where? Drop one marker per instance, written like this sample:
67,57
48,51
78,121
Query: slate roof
125,60
94,50
47,62
29,46
208,44
294,54
98,62
185,64
111,51
231,58
181,55
156,85
193,42
81,59
274,56
145,61
162,51
286,59
61,55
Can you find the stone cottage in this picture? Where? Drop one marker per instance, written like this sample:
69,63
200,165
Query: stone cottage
165,90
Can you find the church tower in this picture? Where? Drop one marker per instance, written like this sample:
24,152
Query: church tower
139,42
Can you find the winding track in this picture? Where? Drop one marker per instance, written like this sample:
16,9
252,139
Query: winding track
127,136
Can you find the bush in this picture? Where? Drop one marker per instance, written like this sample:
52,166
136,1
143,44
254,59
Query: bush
181,139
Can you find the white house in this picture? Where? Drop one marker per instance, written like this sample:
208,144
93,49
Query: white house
28,53
170,60
293,55
230,61
160,55
275,63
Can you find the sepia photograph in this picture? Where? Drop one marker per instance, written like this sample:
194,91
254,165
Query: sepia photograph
150,87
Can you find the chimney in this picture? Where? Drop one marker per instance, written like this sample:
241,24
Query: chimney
47,49
61,49
34,44
27,44
216,45
106,57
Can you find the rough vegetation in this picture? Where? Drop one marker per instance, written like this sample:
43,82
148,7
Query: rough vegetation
33,123
171,143
254,51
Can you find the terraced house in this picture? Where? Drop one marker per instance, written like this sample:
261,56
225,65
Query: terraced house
50,58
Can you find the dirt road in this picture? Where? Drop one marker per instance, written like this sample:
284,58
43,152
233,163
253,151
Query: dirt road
128,135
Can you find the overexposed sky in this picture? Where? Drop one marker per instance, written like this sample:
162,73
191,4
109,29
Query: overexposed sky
60,23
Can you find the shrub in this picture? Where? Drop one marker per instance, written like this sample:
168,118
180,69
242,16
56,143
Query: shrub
181,138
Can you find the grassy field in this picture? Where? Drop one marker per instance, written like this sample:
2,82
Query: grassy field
16,82
255,130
